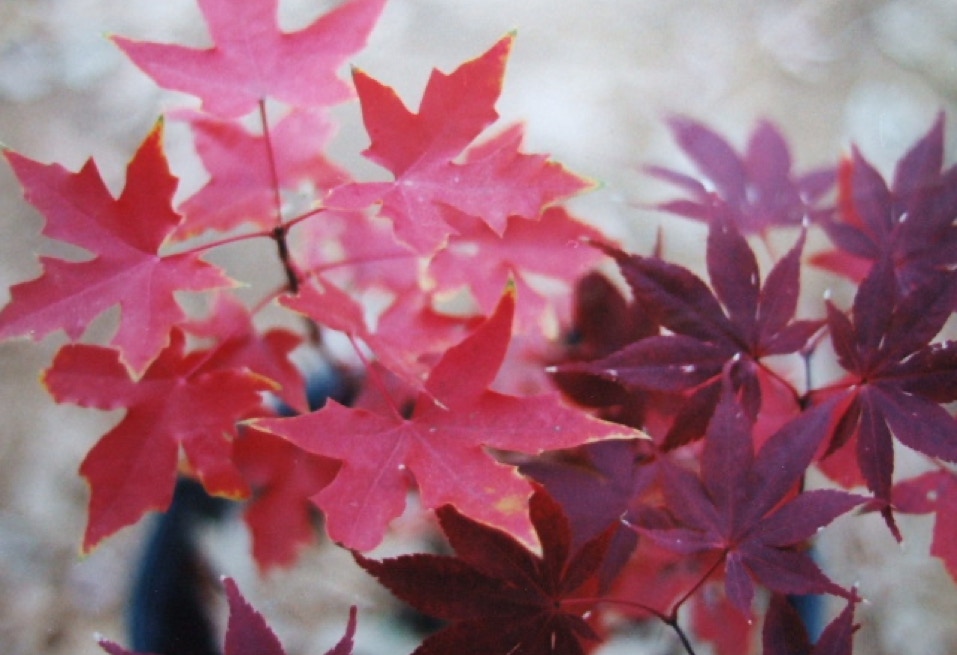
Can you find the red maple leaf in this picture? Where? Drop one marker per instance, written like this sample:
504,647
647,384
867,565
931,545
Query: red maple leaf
252,60
897,378
421,149
934,491
241,185
176,403
125,234
910,221
756,191
739,508
500,597
283,478
247,632
739,321
442,445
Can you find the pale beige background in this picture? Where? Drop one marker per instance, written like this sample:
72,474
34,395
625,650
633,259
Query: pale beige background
592,79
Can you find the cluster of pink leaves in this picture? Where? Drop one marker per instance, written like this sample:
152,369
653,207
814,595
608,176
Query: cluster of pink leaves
670,470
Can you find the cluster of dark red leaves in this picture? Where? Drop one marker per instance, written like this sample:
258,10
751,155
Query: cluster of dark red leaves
671,474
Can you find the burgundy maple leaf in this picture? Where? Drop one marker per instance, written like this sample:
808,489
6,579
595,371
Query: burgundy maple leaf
784,632
741,510
756,191
911,222
897,377
251,59
739,321
500,597
125,234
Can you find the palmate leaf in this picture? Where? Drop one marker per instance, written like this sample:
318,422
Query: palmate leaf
910,221
500,598
251,59
740,507
442,445
897,377
756,191
424,150
740,321
125,235
247,632
177,403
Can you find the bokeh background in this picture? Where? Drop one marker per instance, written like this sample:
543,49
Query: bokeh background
592,79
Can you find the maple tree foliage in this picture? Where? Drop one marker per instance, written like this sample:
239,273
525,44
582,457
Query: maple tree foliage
660,465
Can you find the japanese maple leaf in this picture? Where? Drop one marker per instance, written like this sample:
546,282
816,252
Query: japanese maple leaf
442,444
897,377
240,345
482,261
500,597
784,632
283,478
740,509
494,181
739,321
756,191
176,403
247,632
125,235
911,221
934,491
241,185
251,59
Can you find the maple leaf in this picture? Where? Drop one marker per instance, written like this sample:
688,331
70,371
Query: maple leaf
483,261
739,322
934,491
910,222
443,444
494,181
241,186
756,191
283,478
240,345
125,234
897,378
252,60
176,403
500,597
247,632
739,508
784,632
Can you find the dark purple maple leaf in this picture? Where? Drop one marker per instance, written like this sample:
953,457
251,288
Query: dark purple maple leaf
755,191
910,222
740,507
500,597
738,321
898,378
784,632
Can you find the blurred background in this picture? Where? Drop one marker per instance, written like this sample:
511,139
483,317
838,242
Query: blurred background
592,80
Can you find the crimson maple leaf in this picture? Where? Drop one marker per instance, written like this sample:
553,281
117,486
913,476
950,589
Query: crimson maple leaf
251,59
421,149
125,234
178,402
897,377
247,632
756,191
739,321
500,597
910,222
241,186
934,491
442,445
739,508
